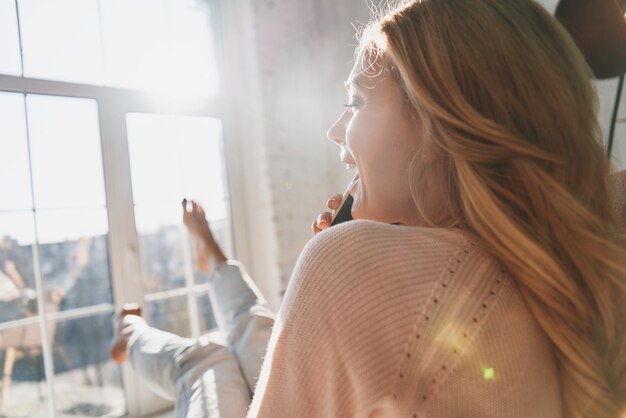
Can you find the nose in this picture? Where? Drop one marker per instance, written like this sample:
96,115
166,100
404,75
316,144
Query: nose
336,133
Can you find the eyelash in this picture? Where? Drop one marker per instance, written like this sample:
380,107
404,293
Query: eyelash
354,101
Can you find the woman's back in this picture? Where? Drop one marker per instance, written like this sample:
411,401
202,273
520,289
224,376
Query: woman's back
384,320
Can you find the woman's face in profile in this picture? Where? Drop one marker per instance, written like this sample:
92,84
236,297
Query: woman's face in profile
378,133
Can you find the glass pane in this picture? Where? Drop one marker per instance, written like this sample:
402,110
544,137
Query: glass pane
155,176
170,314
162,45
202,163
86,382
25,393
65,152
177,156
14,166
207,319
162,242
161,247
61,40
17,278
173,157
10,59
74,257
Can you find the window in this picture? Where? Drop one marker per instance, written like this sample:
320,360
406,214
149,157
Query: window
110,114
185,159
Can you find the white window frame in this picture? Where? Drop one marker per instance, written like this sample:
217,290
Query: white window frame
233,32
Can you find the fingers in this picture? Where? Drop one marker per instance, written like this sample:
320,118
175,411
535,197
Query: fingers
322,222
314,228
333,202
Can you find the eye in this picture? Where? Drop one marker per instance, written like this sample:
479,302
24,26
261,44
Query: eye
353,104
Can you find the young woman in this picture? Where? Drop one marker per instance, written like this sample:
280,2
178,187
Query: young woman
483,274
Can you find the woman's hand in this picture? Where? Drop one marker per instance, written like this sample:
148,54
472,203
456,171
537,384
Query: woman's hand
323,219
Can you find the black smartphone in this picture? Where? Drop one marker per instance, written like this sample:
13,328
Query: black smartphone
344,212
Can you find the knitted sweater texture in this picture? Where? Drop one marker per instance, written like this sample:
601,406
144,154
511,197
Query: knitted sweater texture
393,321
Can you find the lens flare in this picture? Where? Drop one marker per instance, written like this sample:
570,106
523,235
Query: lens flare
489,373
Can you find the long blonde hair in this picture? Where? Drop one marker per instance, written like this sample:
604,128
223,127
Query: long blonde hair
509,113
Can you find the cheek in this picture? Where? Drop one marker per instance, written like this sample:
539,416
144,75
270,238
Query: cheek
356,135
367,137
381,141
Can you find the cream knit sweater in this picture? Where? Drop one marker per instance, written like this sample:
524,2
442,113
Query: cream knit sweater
392,321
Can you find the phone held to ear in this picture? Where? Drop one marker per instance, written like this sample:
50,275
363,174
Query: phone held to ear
344,212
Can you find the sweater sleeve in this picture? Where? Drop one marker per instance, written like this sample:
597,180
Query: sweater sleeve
329,354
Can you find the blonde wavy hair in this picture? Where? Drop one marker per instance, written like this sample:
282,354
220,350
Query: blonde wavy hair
509,112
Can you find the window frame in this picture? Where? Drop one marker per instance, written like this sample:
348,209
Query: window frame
123,246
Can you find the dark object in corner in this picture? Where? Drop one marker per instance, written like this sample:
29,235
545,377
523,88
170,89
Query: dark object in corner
599,29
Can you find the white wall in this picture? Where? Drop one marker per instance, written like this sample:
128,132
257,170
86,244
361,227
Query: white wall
304,52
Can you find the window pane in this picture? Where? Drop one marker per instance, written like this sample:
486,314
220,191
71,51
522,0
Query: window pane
74,257
61,40
152,179
10,59
26,393
14,166
207,319
162,241
171,158
174,157
202,164
65,152
18,298
170,314
161,247
86,382
162,45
